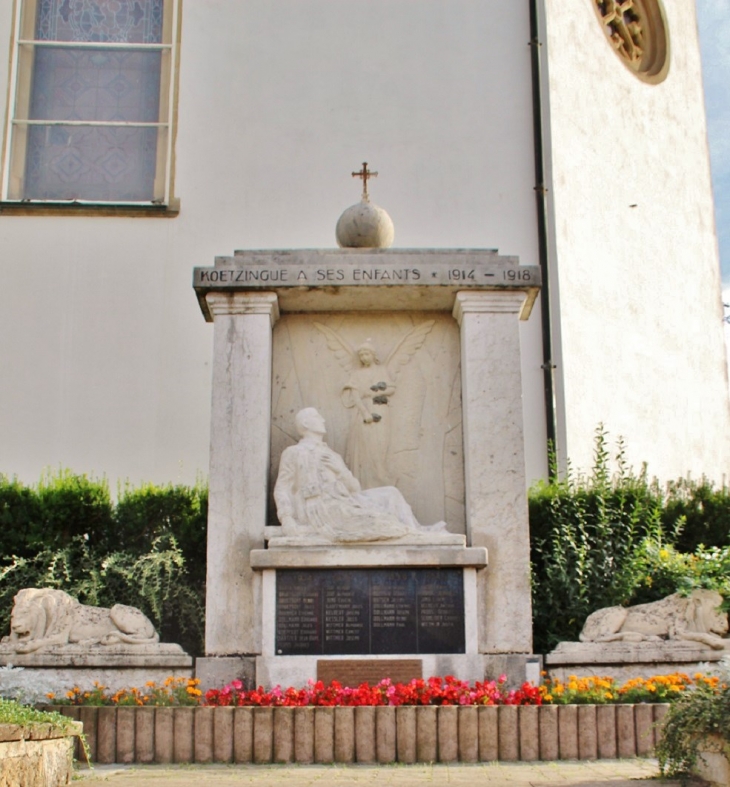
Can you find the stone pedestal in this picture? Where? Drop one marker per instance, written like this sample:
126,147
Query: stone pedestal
115,667
626,660
459,453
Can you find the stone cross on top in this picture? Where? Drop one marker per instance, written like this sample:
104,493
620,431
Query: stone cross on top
365,174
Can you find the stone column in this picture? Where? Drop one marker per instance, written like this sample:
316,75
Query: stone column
494,465
239,465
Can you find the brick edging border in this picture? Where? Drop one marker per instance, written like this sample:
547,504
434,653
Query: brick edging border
367,734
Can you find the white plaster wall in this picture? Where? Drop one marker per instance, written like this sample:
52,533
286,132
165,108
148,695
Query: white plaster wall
105,357
640,307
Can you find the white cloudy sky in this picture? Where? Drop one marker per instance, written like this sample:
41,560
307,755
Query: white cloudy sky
714,24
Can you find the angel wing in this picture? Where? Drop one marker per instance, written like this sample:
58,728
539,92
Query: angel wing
345,354
406,348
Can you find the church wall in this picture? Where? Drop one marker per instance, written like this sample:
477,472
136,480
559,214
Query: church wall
636,255
105,355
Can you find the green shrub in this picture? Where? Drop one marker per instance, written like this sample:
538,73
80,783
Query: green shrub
20,515
616,538
146,513
704,511
155,582
147,551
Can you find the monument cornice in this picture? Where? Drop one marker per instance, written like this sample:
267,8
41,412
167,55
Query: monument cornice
229,303
305,280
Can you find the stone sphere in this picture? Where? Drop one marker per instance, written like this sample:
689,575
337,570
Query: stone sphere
365,226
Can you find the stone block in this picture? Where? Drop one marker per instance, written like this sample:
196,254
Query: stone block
529,735
713,761
548,730
405,734
73,712
89,717
468,731
164,735
448,733
214,672
587,733
125,735
427,734
345,735
660,711
106,744
568,732
283,735
644,719
182,726
606,732
31,763
144,735
365,750
243,735
203,734
385,736
324,735
303,735
488,733
625,731
263,735
223,734
509,733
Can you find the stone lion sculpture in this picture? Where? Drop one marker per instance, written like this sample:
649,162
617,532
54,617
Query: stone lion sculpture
43,618
694,618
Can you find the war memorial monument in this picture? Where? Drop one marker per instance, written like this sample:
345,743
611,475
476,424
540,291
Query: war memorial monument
368,515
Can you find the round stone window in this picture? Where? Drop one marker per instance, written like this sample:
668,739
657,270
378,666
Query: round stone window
637,31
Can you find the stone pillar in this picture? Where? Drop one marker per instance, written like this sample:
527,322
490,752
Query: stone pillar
494,465
239,464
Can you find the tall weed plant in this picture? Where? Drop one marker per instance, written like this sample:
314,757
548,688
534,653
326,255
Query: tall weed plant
588,538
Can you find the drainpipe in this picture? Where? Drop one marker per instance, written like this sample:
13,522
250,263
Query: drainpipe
548,365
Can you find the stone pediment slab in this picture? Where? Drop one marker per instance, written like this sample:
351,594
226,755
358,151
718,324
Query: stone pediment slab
325,280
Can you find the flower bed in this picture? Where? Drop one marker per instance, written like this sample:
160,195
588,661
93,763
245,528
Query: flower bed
432,720
431,691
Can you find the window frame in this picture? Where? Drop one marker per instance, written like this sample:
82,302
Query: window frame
19,96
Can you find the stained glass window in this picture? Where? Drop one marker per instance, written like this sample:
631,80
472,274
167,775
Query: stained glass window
92,108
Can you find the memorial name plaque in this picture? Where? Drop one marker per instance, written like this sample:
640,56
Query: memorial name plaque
369,611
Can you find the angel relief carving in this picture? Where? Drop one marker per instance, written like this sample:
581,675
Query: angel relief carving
367,393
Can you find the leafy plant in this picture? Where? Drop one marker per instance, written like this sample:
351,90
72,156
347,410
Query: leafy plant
703,711
12,712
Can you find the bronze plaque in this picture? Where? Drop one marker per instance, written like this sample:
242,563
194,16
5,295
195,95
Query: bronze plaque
353,672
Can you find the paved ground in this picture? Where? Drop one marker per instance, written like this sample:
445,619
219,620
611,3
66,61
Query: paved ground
616,773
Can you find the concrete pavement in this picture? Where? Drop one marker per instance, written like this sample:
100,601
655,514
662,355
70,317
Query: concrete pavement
616,773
